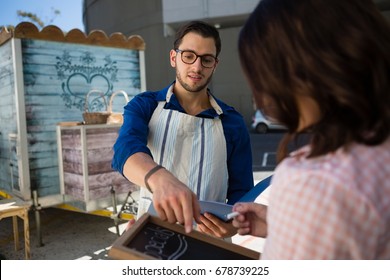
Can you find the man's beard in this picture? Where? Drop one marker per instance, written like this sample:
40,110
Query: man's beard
196,88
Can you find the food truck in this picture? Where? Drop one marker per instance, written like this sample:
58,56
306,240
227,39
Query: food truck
56,92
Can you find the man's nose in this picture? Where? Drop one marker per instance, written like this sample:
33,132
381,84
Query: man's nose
198,63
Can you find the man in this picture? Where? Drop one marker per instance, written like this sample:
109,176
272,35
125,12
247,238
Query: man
182,144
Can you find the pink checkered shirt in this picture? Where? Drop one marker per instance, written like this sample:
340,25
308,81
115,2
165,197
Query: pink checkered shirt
335,206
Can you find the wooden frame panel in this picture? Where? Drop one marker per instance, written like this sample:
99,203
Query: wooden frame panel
151,238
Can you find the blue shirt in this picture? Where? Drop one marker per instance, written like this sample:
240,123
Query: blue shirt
133,137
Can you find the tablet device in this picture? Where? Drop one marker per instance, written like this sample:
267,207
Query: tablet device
218,209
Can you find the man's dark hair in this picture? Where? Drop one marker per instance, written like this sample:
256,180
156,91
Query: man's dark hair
204,29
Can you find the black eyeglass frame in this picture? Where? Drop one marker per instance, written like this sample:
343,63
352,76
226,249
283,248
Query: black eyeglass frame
196,57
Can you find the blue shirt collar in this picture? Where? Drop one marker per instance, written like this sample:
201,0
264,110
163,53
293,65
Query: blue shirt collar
218,108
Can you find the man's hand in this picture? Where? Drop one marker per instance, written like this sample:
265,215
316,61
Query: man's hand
212,225
173,200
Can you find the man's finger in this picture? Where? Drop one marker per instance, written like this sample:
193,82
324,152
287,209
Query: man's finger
196,208
188,214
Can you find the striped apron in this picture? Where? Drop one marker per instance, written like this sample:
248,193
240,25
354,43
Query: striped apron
193,149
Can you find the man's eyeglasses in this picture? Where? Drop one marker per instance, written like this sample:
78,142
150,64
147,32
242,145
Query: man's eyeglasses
189,57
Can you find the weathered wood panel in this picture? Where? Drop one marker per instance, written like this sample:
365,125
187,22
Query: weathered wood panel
94,179
54,73
9,172
57,76
99,186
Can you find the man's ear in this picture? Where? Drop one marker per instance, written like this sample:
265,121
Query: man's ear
215,67
172,57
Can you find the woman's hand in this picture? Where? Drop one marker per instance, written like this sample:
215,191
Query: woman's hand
252,219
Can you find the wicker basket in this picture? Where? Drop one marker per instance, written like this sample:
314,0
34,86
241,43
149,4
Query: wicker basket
95,117
116,117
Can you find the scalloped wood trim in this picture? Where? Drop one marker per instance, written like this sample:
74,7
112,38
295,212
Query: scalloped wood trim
5,35
53,33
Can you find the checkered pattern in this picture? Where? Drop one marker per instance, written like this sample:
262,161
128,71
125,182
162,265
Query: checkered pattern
332,207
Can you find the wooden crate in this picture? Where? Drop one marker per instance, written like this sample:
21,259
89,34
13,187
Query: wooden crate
85,154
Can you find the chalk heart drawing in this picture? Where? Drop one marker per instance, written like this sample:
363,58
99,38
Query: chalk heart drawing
76,87
79,79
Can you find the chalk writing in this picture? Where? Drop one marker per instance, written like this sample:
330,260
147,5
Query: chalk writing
161,243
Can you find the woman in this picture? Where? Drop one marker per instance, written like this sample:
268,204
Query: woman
322,68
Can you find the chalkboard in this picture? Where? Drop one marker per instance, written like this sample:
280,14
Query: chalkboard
152,238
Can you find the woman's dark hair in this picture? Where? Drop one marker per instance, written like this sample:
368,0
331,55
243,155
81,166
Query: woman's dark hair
333,51
201,28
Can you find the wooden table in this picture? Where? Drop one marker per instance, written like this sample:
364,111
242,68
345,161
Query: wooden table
13,208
